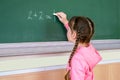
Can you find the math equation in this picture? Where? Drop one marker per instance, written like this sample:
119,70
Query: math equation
40,15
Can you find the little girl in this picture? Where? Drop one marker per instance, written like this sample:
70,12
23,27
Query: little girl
84,56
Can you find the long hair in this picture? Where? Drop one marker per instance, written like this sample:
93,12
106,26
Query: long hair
84,28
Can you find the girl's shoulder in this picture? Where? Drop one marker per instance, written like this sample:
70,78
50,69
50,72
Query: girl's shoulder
82,49
88,55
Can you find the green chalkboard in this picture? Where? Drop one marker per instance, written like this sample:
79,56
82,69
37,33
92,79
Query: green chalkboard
32,20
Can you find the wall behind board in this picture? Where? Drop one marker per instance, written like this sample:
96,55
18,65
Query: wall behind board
32,20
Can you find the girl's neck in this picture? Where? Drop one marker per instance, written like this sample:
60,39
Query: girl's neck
83,44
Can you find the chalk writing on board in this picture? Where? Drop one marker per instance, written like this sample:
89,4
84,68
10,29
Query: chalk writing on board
39,15
35,14
30,15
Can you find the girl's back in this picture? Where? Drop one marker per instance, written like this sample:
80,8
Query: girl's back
83,62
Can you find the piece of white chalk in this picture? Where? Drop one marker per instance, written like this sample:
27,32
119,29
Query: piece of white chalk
54,14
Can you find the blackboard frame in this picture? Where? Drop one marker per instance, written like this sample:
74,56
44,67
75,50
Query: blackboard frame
38,48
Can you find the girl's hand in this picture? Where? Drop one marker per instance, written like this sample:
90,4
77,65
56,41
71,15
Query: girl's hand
62,17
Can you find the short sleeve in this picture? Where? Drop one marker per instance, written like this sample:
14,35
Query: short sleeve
77,68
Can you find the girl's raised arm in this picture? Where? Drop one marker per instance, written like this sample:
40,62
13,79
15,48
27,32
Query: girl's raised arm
63,18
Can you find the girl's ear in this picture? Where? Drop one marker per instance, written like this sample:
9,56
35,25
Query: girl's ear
74,35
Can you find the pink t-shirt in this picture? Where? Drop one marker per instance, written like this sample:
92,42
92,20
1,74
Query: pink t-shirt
83,62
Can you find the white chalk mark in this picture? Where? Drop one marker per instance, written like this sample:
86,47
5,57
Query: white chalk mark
35,14
30,15
41,15
48,17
